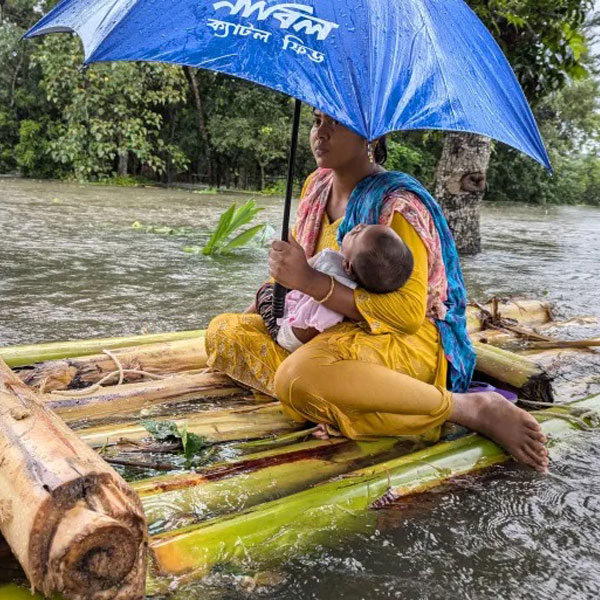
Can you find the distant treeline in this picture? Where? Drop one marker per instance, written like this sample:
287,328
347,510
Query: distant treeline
130,121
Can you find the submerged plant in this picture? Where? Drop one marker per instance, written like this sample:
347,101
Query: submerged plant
210,190
162,431
161,229
231,220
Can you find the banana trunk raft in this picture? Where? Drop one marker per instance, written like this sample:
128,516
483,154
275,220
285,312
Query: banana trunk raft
217,474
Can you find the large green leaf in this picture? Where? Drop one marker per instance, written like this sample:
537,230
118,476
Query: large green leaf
242,238
244,215
221,230
230,221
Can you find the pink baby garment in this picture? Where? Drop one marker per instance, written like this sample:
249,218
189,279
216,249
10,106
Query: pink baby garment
303,311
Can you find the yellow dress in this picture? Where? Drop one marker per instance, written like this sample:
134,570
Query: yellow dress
384,376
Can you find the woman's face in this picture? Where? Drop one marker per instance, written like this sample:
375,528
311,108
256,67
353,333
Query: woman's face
334,145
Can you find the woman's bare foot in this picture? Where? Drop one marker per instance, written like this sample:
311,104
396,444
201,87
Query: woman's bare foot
324,432
514,429
321,432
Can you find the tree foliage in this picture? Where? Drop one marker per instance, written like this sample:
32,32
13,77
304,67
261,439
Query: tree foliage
109,110
169,123
570,125
544,41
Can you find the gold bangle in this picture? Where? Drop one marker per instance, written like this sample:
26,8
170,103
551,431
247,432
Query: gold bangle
331,286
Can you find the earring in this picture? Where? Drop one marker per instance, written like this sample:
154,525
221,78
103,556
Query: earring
371,152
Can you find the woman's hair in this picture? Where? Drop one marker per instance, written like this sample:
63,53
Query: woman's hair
381,150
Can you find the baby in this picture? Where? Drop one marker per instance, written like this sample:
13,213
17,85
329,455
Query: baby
372,256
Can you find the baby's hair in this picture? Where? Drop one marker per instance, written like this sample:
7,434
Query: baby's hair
385,266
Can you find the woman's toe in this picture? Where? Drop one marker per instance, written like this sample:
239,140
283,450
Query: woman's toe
536,460
536,447
531,422
534,430
524,456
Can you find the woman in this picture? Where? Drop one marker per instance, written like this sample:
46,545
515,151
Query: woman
384,370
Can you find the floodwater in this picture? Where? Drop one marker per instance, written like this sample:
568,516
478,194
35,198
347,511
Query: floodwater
72,266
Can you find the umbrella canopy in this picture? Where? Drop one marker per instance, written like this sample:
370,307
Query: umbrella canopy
374,65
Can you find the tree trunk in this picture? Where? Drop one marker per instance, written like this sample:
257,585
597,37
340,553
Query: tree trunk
460,186
130,399
123,161
217,176
74,525
202,128
173,121
15,77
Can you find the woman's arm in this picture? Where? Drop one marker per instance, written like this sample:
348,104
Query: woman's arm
341,300
399,311
289,267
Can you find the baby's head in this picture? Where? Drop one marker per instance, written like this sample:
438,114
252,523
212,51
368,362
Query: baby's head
377,257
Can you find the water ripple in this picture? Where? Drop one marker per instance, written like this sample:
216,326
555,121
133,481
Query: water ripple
72,266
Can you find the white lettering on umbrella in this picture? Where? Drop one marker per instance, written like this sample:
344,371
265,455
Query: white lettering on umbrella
295,45
223,29
296,16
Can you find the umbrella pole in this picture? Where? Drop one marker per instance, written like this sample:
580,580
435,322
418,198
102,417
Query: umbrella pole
279,291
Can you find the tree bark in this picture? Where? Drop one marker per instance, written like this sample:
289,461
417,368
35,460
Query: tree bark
262,175
202,128
123,161
74,525
460,186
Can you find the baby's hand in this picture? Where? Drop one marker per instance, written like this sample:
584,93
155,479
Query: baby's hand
251,308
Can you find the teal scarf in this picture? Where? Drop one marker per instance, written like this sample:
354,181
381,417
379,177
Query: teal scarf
364,206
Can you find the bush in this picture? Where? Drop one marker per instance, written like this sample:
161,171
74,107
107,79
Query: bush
8,137
31,152
413,153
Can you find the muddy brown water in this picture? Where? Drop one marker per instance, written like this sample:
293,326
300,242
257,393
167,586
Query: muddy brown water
71,266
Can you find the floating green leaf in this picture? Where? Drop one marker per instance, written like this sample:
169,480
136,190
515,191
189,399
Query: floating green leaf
242,239
193,249
162,431
221,231
161,229
192,444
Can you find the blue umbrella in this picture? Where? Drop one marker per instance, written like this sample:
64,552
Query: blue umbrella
374,65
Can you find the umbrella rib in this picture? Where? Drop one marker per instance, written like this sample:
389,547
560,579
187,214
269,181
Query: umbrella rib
437,59
371,48
115,26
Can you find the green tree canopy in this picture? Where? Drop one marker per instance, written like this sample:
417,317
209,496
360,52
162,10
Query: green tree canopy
149,120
